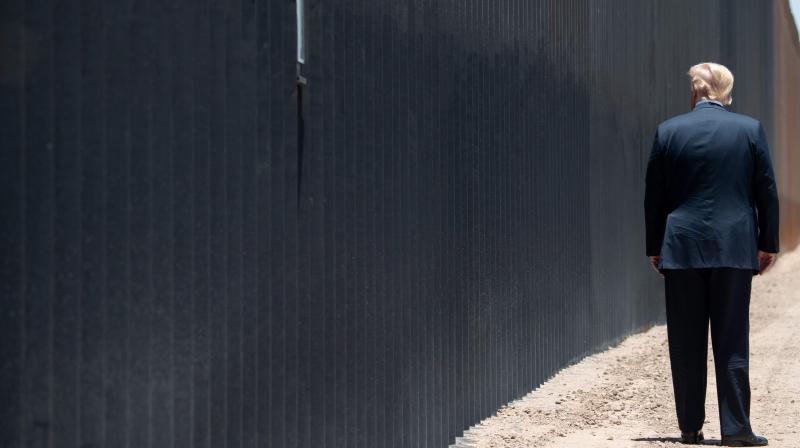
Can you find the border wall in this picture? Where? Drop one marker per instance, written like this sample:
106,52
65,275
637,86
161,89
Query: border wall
198,251
786,146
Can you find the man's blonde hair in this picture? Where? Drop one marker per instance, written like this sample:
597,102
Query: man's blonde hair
712,81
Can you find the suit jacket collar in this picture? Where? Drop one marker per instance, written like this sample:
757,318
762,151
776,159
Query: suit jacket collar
708,105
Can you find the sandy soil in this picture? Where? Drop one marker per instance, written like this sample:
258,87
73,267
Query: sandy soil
623,396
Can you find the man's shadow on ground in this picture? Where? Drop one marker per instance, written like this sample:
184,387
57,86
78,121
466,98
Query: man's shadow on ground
676,440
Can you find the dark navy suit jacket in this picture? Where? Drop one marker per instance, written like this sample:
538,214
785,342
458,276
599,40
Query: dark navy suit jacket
710,197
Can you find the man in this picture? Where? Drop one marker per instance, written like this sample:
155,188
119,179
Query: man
711,211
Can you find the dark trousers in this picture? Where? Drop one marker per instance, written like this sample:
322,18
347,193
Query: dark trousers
695,296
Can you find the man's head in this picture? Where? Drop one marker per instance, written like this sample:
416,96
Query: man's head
711,81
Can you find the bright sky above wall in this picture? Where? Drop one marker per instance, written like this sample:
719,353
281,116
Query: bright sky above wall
795,7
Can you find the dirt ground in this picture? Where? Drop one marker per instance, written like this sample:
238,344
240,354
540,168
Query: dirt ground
623,396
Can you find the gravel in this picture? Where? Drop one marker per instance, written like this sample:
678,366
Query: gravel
623,397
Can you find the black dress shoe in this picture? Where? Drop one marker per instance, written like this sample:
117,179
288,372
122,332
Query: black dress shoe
692,437
748,440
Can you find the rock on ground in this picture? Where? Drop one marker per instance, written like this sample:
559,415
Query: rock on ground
623,396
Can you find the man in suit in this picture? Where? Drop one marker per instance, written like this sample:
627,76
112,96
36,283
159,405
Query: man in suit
711,212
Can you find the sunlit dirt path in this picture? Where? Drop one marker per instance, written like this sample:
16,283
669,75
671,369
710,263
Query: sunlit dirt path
623,396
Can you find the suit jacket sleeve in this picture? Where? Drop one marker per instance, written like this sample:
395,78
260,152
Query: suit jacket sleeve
655,200
765,193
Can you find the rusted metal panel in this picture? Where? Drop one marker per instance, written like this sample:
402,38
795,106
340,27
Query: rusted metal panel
786,146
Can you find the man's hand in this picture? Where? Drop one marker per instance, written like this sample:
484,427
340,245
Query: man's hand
765,260
654,263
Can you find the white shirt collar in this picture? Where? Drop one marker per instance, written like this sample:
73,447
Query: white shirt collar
706,100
